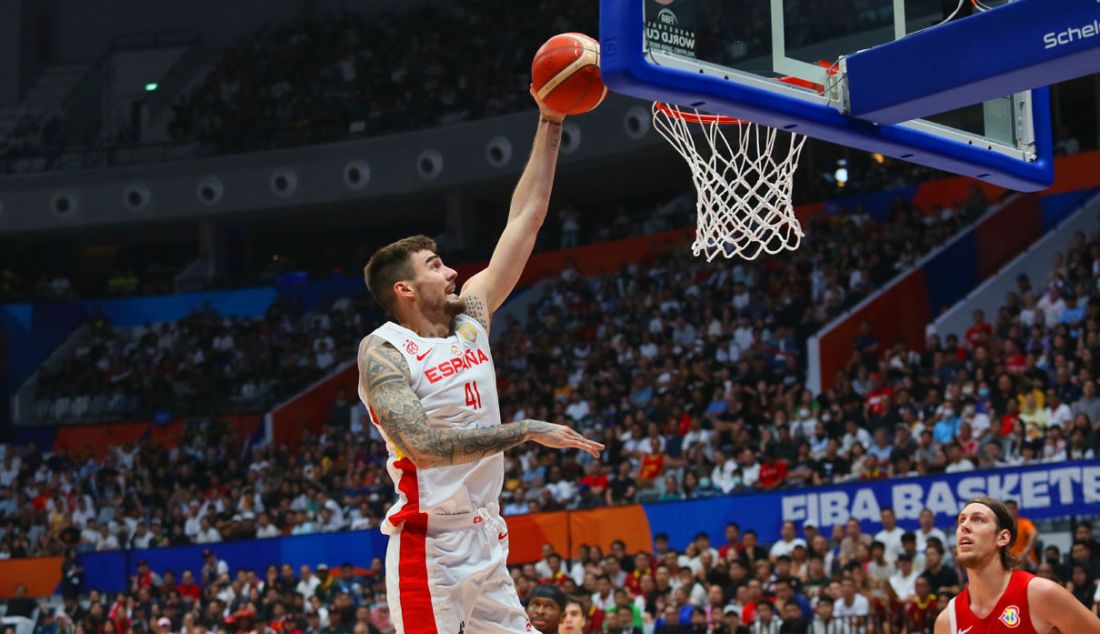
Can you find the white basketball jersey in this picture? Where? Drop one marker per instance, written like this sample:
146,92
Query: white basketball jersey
456,383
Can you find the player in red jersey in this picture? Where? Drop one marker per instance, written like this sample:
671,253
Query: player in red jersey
999,599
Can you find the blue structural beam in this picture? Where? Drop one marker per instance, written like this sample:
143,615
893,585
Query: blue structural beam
1009,49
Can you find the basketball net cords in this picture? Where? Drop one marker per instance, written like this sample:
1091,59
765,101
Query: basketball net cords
744,203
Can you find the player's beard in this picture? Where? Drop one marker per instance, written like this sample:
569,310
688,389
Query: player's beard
455,306
972,559
442,306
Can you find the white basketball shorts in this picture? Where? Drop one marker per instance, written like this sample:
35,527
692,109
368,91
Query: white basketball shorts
448,574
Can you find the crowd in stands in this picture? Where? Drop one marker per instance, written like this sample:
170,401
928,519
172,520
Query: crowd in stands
34,143
199,365
842,581
690,373
186,367
318,80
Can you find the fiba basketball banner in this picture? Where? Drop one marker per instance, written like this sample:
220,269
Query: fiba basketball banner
1056,490
1062,489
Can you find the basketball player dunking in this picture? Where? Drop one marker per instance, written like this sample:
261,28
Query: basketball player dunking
428,381
999,599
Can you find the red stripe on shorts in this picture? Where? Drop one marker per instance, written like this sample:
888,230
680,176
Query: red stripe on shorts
417,614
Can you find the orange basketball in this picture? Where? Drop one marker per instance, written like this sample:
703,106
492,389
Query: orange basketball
566,73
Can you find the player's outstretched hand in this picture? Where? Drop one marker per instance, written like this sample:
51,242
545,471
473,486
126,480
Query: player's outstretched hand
545,111
561,437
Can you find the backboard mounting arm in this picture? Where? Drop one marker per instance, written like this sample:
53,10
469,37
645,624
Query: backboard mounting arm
1012,48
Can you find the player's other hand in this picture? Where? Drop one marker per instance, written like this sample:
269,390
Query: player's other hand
546,111
561,437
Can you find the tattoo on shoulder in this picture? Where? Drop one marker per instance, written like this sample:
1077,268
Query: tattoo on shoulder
399,412
476,308
382,362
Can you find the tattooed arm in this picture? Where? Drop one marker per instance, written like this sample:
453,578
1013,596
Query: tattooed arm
487,290
384,381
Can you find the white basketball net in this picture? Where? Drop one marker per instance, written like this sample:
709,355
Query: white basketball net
744,189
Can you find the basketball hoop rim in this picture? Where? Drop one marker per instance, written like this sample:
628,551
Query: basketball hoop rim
695,117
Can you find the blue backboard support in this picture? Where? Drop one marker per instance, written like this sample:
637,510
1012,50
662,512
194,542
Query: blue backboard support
629,66
1009,49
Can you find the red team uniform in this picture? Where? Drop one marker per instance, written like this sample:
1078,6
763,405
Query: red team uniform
1010,616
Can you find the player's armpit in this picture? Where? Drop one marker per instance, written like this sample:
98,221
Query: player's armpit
476,308
384,377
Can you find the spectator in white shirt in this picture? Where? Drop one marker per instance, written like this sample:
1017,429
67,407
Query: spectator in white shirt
82,513
329,523
904,580
578,408
724,476
9,468
126,455
193,524
107,539
851,603
853,433
307,583
956,461
790,539
325,357
1052,306
141,537
264,527
750,468
890,535
207,534
696,435
1058,413
928,529
90,536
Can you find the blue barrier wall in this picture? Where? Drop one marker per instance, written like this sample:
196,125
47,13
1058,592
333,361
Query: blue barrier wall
110,571
1044,491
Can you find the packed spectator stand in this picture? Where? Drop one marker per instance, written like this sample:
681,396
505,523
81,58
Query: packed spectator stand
691,373
205,364
202,364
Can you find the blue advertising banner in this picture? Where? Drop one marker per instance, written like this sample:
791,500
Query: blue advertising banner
1043,491
1061,489
111,571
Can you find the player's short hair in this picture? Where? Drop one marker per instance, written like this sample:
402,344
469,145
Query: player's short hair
1004,522
392,264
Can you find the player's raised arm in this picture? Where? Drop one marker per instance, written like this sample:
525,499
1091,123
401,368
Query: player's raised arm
384,381
487,290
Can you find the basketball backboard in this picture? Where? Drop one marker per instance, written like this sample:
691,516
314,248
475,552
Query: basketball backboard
780,63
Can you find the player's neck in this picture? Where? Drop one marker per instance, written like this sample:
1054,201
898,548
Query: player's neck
425,326
987,583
